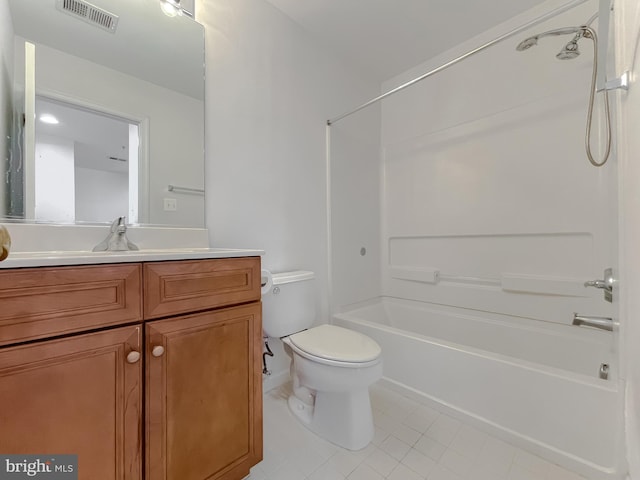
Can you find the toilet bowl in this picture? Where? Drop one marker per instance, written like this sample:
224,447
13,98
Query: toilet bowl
331,391
332,367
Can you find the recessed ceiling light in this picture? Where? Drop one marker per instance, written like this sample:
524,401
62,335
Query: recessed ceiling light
48,118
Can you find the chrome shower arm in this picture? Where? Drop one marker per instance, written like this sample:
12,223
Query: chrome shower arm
560,31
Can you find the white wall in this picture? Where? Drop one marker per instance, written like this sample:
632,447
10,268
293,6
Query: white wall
270,89
174,138
6,93
100,196
627,19
54,180
355,208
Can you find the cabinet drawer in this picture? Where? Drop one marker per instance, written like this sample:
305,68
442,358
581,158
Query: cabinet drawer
177,287
42,302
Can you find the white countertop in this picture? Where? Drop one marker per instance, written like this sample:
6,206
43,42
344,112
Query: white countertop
55,258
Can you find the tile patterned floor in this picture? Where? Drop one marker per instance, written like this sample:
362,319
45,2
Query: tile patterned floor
412,442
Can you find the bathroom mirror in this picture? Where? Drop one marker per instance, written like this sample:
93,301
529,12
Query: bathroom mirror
122,87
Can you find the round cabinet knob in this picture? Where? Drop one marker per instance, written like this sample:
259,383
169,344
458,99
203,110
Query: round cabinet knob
133,356
157,351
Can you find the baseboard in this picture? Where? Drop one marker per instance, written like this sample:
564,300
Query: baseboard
552,454
275,380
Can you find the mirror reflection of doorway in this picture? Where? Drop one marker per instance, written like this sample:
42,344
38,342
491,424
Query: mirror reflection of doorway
85,164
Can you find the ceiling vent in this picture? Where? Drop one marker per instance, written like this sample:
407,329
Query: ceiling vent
89,13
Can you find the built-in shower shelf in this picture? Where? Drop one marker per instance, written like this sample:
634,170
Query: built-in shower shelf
508,282
568,287
414,274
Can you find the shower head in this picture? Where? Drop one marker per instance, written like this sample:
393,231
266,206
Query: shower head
570,50
565,54
527,43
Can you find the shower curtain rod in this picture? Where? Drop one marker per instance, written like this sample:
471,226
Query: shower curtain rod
515,31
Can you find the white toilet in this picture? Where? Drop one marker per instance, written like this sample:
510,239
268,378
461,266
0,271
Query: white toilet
332,367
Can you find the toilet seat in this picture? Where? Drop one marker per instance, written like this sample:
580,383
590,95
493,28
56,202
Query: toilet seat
332,345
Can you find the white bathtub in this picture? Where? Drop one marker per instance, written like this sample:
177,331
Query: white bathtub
535,385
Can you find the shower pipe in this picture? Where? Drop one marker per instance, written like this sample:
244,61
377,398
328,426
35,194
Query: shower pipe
561,9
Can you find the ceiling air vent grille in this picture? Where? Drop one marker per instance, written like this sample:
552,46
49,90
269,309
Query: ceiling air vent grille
89,13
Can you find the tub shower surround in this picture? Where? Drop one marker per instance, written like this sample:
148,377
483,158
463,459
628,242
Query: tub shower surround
483,220
517,381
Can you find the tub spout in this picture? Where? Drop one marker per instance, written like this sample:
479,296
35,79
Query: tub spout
604,323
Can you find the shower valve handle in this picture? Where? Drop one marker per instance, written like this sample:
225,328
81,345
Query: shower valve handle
606,284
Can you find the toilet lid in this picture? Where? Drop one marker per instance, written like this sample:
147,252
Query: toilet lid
337,343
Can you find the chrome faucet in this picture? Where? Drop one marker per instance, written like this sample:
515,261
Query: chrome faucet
117,238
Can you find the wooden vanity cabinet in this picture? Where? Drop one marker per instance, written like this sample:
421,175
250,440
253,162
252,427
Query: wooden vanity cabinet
76,395
194,337
203,370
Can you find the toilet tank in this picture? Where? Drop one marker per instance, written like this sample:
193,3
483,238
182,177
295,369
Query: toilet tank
290,305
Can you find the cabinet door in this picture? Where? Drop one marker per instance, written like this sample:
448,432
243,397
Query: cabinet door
204,395
77,395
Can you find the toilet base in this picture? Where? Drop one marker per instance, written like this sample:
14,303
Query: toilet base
342,418
300,410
